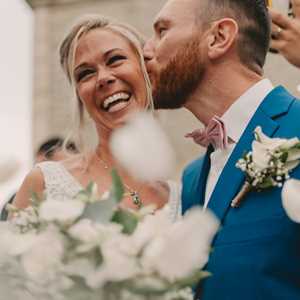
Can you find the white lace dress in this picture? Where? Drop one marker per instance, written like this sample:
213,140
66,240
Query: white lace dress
60,184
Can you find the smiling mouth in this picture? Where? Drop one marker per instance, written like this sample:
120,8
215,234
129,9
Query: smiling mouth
116,102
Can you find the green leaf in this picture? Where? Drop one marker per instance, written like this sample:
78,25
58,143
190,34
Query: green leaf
284,156
117,188
89,188
35,199
127,219
101,211
192,280
267,183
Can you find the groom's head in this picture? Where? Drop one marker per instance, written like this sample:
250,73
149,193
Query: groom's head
193,36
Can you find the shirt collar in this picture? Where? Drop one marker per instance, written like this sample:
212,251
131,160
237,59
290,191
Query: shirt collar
239,114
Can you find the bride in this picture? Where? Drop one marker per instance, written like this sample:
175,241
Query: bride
103,61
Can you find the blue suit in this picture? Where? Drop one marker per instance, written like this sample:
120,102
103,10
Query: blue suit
256,254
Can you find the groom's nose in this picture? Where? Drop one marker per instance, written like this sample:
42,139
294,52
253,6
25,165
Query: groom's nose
148,50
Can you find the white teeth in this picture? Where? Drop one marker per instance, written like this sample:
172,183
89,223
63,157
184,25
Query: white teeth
115,97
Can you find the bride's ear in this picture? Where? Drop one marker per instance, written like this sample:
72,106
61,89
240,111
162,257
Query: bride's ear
221,38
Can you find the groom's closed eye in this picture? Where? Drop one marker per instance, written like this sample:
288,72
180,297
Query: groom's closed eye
160,27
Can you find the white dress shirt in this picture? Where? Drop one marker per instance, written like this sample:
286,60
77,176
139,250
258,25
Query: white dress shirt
236,119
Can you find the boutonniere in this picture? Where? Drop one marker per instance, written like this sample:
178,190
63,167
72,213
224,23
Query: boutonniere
268,164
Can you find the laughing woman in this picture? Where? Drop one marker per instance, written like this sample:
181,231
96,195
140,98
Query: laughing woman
103,61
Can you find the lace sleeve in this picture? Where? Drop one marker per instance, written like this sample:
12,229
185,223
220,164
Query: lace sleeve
174,204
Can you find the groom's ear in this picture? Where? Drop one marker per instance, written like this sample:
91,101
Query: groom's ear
222,37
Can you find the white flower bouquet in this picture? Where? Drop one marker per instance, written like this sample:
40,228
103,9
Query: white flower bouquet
91,249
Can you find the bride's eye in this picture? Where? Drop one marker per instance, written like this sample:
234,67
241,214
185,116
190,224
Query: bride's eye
83,74
115,59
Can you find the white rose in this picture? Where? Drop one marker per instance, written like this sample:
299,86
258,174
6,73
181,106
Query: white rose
291,199
183,248
150,227
116,266
82,267
269,143
44,259
61,210
84,231
260,155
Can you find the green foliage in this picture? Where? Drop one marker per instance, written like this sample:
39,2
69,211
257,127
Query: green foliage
117,189
127,219
100,211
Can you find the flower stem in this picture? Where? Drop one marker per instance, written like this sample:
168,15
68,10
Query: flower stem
246,188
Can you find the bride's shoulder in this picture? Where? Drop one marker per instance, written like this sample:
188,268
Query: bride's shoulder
75,163
167,187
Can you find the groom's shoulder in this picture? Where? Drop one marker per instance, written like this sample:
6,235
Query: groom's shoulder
291,120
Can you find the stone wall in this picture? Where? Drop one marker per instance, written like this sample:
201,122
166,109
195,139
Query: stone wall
52,96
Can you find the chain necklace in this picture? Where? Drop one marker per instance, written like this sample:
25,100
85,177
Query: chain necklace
133,194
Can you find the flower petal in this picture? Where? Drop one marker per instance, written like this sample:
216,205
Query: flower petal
291,199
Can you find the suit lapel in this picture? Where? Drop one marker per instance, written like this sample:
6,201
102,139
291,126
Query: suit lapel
231,178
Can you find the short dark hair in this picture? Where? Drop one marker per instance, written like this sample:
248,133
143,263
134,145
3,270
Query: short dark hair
48,147
254,26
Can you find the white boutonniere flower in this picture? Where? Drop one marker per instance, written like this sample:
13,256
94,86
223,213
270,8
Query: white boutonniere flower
268,164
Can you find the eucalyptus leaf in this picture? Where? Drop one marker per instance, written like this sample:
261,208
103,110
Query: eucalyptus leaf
35,199
117,188
148,286
192,280
89,188
267,183
100,211
284,156
83,196
127,219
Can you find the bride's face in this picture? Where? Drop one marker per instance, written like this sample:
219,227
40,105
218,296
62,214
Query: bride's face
108,77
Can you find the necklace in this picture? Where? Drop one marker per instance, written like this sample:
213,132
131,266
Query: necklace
133,194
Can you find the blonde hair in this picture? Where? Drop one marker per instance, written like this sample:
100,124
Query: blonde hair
68,49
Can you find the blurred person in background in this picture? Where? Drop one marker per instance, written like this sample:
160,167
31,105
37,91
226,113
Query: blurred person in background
50,150
286,33
103,60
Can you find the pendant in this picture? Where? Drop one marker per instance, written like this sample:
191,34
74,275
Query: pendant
136,199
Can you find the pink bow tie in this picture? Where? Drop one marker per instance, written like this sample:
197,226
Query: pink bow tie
214,134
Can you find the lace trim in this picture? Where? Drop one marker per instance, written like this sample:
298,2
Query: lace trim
59,183
174,204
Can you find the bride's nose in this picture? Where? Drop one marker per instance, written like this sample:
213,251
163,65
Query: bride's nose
104,79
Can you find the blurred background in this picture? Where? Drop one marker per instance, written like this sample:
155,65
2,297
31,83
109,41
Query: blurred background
35,96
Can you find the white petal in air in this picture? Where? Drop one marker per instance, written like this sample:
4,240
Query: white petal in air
143,149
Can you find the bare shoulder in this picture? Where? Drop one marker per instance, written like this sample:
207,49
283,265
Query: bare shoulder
33,183
75,163
161,188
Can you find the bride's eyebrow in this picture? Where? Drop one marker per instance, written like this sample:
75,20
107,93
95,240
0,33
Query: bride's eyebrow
110,51
105,55
81,66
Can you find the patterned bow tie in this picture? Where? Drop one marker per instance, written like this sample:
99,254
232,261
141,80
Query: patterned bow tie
214,134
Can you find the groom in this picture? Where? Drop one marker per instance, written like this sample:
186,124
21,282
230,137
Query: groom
208,56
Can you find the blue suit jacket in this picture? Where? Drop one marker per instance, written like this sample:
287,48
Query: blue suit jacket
256,254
